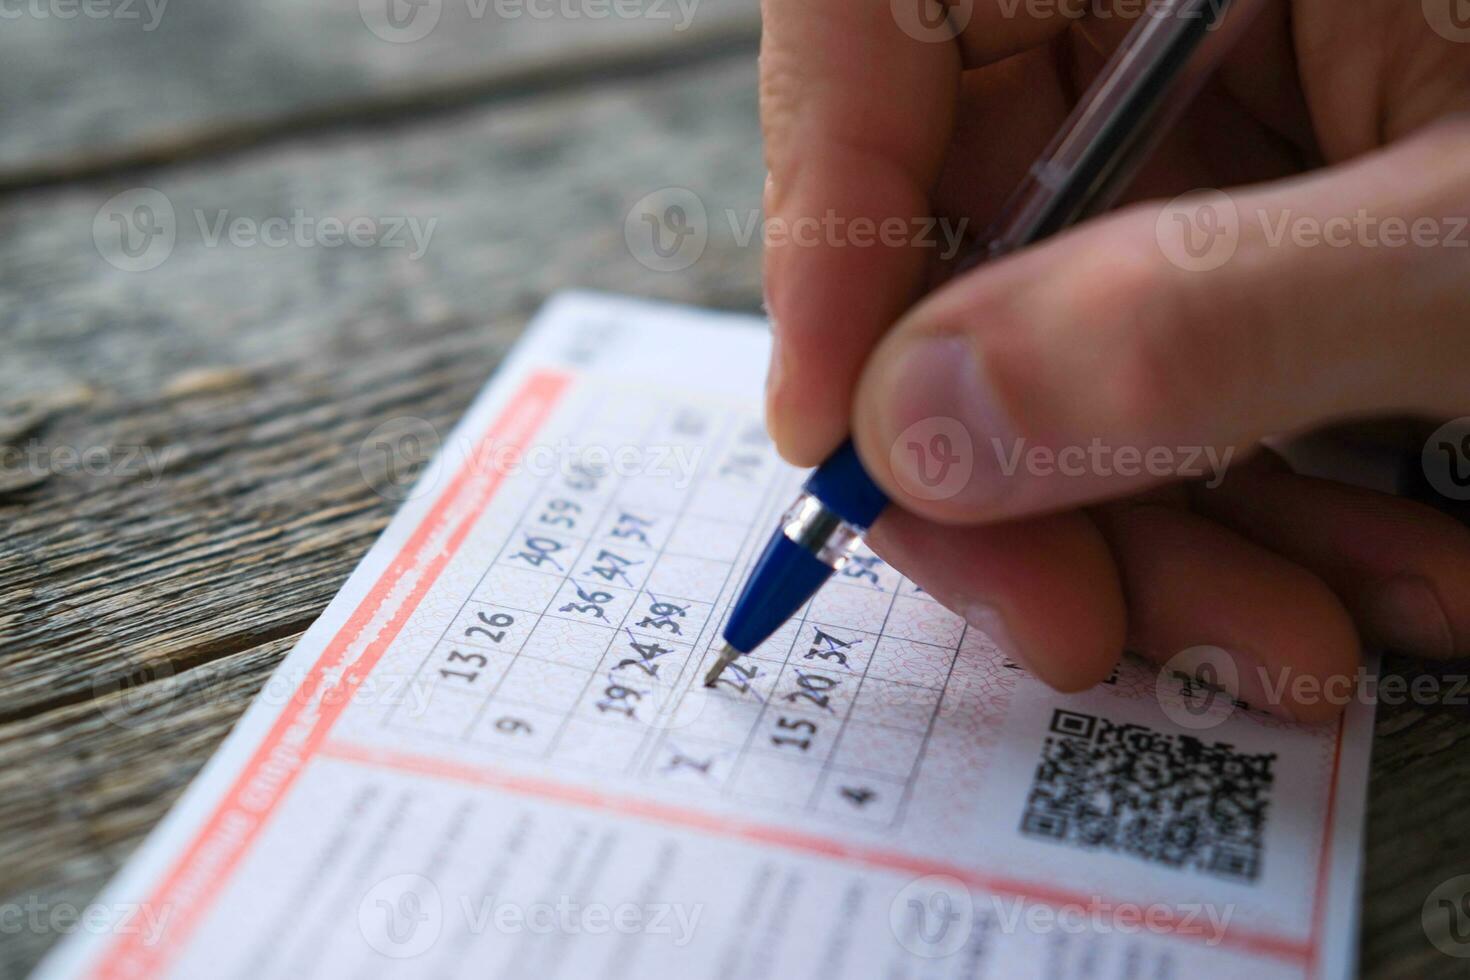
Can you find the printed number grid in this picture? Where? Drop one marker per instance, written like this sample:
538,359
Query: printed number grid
586,641
578,631
833,714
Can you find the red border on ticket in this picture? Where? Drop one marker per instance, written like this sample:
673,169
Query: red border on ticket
300,733
196,879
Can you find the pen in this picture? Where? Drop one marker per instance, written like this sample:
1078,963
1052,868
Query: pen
1159,67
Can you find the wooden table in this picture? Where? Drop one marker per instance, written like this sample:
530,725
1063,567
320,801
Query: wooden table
181,491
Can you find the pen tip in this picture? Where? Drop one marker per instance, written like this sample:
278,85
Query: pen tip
726,658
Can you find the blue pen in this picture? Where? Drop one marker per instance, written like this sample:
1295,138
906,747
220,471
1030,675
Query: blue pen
1152,76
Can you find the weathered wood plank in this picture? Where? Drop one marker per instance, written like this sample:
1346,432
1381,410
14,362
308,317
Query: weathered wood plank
231,535
256,488
1417,802
516,201
81,785
88,85
254,375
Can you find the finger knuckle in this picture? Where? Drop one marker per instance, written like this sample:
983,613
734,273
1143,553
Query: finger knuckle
1174,347
781,91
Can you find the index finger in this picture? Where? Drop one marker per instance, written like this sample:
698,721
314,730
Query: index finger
857,104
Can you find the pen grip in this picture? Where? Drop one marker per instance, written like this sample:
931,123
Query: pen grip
844,486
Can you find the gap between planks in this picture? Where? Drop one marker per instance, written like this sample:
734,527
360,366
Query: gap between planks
548,75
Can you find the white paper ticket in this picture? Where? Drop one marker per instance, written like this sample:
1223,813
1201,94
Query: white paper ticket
493,755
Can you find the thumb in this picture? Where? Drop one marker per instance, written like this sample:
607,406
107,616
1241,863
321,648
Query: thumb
1164,341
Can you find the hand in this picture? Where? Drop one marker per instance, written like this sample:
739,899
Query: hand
1112,339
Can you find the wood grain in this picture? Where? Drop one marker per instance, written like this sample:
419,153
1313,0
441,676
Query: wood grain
141,604
141,81
80,785
1417,803
524,197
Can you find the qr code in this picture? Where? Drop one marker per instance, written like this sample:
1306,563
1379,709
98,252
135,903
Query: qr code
1130,789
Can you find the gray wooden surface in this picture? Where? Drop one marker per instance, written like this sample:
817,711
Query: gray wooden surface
157,79
145,596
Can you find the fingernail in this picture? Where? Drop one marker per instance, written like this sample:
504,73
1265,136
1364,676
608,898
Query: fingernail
988,620
947,435
774,371
1405,615
770,194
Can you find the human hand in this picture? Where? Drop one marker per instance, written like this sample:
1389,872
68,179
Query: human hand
1115,338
